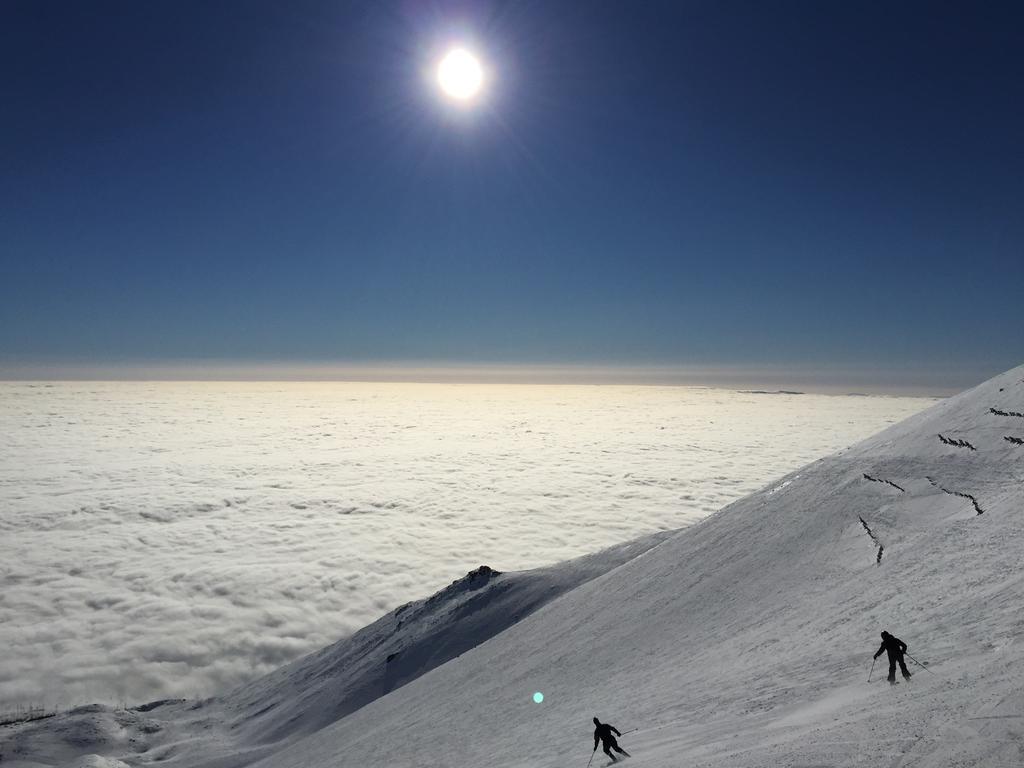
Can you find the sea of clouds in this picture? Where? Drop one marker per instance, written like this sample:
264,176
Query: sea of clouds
177,539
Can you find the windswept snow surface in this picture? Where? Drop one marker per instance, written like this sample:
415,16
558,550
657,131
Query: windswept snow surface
746,640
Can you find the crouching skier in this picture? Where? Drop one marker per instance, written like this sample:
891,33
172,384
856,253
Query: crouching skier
603,733
895,648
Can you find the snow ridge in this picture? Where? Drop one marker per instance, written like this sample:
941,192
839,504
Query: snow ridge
326,686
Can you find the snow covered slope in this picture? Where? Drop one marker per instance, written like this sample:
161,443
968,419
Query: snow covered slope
323,687
743,641
304,696
746,640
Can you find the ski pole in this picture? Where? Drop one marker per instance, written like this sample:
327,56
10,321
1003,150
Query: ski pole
591,757
872,669
922,666
629,731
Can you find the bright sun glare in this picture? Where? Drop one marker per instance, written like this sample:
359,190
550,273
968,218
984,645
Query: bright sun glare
460,75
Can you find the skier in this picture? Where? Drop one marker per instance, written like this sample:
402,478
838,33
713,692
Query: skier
603,733
895,648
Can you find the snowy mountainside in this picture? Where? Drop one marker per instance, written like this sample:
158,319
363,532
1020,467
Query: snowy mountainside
309,693
76,739
746,640
742,641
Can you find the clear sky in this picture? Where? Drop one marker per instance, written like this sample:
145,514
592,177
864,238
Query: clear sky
641,183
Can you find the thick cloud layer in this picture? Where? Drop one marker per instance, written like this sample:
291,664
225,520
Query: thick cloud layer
175,539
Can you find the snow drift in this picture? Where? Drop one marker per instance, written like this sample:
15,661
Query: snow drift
742,641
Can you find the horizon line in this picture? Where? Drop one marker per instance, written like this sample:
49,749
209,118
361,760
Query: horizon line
818,378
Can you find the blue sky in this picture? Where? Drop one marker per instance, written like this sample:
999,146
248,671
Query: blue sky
677,183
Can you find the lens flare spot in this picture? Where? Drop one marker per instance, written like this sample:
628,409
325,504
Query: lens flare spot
538,697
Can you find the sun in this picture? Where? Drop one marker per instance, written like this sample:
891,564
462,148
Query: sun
460,75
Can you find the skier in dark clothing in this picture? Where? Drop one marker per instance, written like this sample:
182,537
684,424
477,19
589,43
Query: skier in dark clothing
895,648
603,733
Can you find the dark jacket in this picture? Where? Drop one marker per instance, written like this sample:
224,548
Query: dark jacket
603,732
893,645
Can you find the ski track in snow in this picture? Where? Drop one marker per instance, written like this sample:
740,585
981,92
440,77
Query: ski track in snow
176,539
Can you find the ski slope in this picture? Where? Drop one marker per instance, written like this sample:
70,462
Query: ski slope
742,641
746,640
299,698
